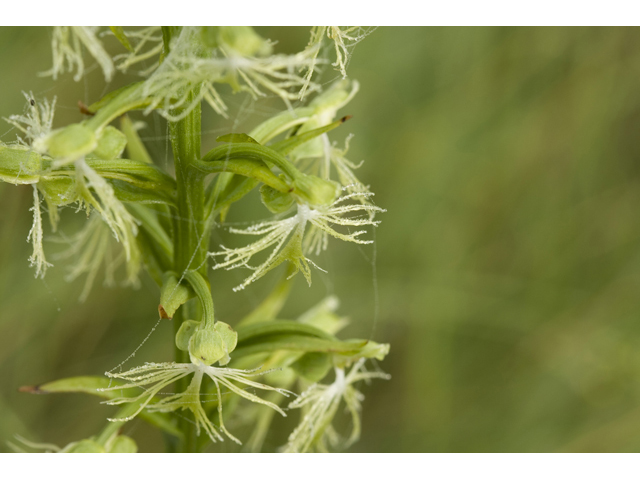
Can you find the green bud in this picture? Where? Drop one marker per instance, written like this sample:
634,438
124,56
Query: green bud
185,332
245,41
316,191
229,340
274,200
206,346
86,446
19,164
123,444
209,345
71,143
111,144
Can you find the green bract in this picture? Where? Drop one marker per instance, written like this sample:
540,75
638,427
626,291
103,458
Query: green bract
19,165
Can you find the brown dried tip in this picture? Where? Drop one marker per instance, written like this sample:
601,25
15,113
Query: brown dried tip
84,109
31,389
163,313
345,118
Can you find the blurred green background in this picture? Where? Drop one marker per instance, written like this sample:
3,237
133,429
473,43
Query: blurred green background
507,266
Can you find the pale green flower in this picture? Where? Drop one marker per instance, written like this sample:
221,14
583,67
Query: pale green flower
66,46
88,189
122,224
205,348
288,239
191,64
320,403
91,248
344,39
36,122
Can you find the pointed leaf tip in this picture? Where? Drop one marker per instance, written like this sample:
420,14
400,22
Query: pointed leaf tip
236,138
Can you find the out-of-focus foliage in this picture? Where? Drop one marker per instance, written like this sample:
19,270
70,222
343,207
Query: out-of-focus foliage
507,266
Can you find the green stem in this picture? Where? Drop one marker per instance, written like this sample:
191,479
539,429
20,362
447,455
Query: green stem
190,243
203,292
191,238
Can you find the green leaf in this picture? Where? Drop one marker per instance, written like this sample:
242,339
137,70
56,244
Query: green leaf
86,384
282,122
130,191
299,343
288,144
236,138
105,100
247,167
118,32
313,366
137,170
135,148
220,200
252,331
92,385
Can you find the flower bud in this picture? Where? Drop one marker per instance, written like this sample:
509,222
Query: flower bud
206,346
69,143
210,344
274,200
